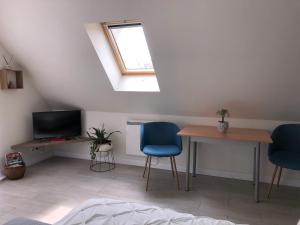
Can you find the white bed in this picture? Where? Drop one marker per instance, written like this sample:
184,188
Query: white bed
116,212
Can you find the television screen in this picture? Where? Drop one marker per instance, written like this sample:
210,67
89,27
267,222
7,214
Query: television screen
56,124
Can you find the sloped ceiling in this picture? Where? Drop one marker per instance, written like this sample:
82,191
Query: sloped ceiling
240,54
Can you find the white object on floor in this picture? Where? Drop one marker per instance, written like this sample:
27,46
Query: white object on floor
114,212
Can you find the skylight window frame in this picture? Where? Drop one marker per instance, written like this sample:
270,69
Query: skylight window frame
114,47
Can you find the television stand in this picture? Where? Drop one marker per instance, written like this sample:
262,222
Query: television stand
58,139
37,144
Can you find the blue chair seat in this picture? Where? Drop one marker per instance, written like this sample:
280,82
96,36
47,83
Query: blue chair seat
161,150
286,159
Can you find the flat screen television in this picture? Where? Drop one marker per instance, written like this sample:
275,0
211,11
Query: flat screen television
56,124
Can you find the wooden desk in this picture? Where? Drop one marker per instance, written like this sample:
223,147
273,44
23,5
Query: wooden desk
209,134
36,144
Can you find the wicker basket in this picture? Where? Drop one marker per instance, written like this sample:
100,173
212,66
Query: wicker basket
14,173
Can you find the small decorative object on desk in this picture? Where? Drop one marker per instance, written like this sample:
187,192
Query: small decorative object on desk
223,125
14,166
102,158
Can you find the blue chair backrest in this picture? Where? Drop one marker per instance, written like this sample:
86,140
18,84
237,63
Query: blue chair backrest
160,133
285,138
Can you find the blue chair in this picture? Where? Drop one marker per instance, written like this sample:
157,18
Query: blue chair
284,152
159,139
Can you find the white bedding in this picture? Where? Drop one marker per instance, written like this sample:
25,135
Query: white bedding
116,212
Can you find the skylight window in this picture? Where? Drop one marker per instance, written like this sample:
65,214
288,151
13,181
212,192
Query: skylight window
129,45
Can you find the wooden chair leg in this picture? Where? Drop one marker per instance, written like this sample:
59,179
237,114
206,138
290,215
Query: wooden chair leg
145,166
172,166
148,173
272,182
176,173
279,176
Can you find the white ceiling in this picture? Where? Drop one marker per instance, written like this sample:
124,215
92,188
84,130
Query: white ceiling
240,54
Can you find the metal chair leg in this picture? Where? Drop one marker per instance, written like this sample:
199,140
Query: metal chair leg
176,173
254,166
272,182
279,176
172,166
148,173
145,166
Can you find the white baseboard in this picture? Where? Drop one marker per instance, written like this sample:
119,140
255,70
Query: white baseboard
134,161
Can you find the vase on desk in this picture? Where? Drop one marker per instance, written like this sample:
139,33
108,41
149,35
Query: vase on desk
223,126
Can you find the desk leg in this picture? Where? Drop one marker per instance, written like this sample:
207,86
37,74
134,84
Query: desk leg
194,159
254,165
257,173
187,182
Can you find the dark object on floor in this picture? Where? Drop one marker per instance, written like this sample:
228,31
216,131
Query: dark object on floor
14,173
14,166
23,221
284,152
103,160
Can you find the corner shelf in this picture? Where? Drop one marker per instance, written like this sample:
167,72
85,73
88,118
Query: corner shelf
11,79
36,144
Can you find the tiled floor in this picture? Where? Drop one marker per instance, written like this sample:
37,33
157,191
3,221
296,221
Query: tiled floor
53,187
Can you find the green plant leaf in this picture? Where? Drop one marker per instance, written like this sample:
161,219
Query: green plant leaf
98,136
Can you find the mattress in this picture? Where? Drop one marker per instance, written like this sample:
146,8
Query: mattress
117,212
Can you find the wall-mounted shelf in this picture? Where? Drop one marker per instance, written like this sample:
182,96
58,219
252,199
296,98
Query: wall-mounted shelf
11,79
36,144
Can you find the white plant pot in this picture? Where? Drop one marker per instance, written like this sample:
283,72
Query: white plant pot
104,147
223,126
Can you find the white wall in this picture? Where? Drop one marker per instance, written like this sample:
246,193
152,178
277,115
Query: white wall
239,54
16,107
227,160
242,55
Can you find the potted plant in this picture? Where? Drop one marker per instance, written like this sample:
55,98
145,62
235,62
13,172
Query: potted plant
99,140
223,125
